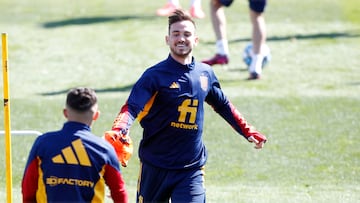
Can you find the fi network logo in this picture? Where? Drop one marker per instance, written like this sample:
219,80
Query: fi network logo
74,154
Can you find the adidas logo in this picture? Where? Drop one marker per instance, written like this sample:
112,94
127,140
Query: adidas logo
74,154
174,85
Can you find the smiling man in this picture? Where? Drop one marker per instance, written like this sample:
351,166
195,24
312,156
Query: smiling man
168,101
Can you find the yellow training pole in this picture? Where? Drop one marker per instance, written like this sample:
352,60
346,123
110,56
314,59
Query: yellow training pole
7,118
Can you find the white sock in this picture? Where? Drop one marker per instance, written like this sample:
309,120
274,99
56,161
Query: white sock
256,63
195,3
222,47
174,2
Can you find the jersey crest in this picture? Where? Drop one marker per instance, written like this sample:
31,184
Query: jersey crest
204,82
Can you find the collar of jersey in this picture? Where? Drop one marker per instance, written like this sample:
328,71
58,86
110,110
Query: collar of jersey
72,125
175,63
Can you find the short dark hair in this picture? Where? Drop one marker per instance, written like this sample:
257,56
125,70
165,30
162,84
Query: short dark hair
81,99
179,15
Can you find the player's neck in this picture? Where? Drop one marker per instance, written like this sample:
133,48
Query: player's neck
182,59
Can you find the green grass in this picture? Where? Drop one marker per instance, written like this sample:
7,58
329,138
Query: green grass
308,102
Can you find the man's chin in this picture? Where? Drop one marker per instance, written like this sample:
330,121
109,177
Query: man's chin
182,54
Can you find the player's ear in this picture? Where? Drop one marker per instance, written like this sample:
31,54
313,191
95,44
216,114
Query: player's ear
96,115
196,40
65,112
167,39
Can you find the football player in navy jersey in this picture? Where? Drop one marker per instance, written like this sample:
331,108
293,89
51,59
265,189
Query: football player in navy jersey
168,101
72,164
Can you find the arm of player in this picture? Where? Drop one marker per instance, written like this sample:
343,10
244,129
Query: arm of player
227,110
123,120
29,183
116,184
119,134
119,137
217,99
239,123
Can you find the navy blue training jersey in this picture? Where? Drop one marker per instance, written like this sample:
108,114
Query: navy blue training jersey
72,165
168,101
173,117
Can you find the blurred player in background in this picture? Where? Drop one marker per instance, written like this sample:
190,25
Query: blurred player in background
168,101
72,164
171,5
218,19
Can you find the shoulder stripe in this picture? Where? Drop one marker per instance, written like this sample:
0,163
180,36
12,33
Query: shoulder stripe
147,107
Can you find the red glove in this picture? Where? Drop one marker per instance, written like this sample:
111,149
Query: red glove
122,144
258,139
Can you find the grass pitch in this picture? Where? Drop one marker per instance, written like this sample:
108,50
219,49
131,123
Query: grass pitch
307,103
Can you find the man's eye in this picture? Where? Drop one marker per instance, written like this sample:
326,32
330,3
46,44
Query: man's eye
175,33
187,34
